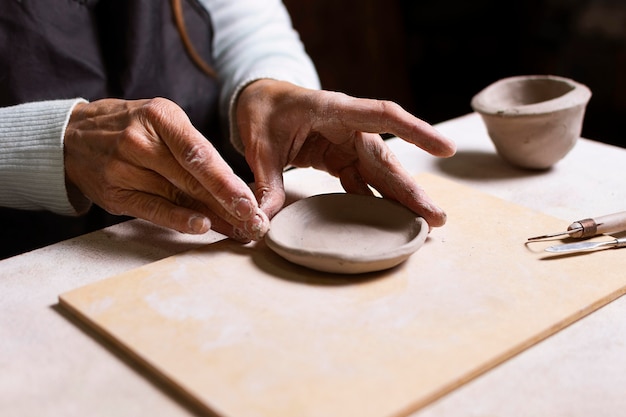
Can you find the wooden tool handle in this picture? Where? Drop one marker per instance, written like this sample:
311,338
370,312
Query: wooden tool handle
611,223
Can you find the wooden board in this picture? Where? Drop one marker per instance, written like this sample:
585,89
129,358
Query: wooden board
242,332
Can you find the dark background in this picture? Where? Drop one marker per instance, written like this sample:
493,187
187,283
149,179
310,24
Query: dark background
432,56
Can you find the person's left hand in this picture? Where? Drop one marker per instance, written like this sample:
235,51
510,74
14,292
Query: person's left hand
283,125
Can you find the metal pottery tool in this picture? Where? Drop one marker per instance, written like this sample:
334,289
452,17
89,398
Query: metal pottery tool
587,246
611,223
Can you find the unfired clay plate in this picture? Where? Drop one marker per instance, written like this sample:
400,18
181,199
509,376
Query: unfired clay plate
346,233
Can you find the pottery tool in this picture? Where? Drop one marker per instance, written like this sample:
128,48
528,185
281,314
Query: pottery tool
587,246
610,223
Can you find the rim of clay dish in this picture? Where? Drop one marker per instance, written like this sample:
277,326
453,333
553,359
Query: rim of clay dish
285,237
530,95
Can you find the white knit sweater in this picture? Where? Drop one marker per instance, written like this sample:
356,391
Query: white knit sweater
253,39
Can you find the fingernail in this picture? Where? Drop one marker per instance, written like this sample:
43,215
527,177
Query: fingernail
243,207
199,224
257,227
441,217
263,199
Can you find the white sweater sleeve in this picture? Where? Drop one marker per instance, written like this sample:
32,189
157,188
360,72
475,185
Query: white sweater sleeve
254,39
32,172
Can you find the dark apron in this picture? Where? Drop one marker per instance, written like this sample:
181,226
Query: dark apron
128,49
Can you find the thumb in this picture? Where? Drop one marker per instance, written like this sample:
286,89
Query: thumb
269,188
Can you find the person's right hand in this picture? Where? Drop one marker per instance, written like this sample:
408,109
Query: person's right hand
282,124
144,159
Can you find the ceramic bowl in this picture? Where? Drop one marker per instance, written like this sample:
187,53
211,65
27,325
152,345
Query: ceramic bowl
346,233
533,120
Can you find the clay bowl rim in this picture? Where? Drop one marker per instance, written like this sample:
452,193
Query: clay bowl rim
419,232
578,95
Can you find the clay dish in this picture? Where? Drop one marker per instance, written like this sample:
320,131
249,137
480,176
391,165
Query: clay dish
346,233
533,120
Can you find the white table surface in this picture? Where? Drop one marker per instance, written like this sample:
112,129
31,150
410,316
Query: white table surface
51,365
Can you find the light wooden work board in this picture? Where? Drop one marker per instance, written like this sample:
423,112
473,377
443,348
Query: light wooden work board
241,332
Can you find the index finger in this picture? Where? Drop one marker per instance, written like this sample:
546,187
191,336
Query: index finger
340,111
202,161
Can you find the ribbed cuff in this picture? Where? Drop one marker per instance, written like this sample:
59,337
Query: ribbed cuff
31,158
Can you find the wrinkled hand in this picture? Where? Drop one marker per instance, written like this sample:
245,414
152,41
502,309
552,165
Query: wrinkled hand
282,125
144,159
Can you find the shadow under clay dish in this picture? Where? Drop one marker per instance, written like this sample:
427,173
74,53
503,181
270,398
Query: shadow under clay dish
346,233
533,120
